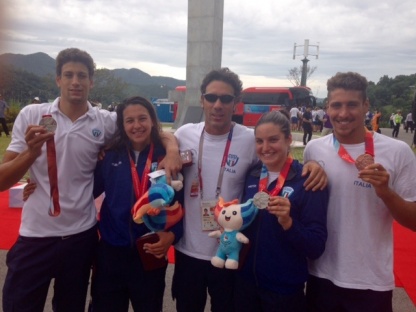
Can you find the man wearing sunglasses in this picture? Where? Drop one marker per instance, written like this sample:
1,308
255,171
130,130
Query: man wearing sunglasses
222,152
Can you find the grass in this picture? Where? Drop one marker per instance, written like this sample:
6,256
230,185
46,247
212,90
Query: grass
297,153
4,143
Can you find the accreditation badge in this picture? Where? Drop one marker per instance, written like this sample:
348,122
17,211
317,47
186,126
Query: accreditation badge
208,215
194,192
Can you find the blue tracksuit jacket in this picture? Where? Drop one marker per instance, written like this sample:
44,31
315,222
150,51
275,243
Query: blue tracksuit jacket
113,176
277,259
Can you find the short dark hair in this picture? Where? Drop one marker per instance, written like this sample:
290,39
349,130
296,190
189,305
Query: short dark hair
348,81
226,75
279,118
74,55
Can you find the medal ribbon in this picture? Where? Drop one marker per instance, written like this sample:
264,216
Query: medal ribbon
280,180
342,152
223,162
53,175
140,187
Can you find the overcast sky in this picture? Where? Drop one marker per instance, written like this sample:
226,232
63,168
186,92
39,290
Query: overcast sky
373,37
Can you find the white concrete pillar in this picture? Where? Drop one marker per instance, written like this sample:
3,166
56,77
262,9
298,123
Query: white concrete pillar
204,50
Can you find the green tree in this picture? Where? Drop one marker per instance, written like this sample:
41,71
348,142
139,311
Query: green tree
391,94
21,86
107,88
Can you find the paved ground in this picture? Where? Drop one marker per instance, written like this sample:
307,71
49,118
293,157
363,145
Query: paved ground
401,301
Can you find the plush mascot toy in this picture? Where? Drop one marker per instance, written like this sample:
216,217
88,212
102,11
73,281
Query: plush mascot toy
154,207
232,217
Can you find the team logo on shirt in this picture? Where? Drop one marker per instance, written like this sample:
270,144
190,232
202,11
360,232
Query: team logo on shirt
287,191
96,133
232,160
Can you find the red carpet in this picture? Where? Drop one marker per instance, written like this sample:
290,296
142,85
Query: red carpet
405,259
10,222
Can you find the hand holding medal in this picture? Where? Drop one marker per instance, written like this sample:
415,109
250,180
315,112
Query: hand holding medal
50,124
280,207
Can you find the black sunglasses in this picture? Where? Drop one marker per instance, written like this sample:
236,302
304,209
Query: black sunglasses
225,99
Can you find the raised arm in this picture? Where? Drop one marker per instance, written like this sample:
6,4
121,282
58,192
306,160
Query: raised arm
15,165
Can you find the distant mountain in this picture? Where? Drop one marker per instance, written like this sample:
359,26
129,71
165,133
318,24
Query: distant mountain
43,65
39,63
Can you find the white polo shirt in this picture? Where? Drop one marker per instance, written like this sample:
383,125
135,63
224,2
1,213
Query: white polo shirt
77,146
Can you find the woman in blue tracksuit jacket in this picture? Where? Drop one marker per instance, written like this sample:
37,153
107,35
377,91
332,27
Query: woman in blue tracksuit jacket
119,275
291,229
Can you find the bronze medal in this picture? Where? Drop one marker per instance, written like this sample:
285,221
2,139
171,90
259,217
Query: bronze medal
363,161
49,123
261,200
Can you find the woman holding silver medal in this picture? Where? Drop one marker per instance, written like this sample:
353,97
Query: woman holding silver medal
289,228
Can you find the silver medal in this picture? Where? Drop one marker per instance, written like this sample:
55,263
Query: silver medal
49,123
261,200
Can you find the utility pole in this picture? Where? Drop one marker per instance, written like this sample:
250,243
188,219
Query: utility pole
305,58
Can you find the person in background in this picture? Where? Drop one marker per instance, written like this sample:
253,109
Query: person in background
307,125
36,100
409,123
221,160
294,113
320,113
375,122
315,119
397,121
3,108
96,104
367,120
58,144
391,120
302,109
291,229
327,125
119,276
112,107
369,176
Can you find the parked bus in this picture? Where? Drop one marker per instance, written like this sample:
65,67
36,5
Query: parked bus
256,101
